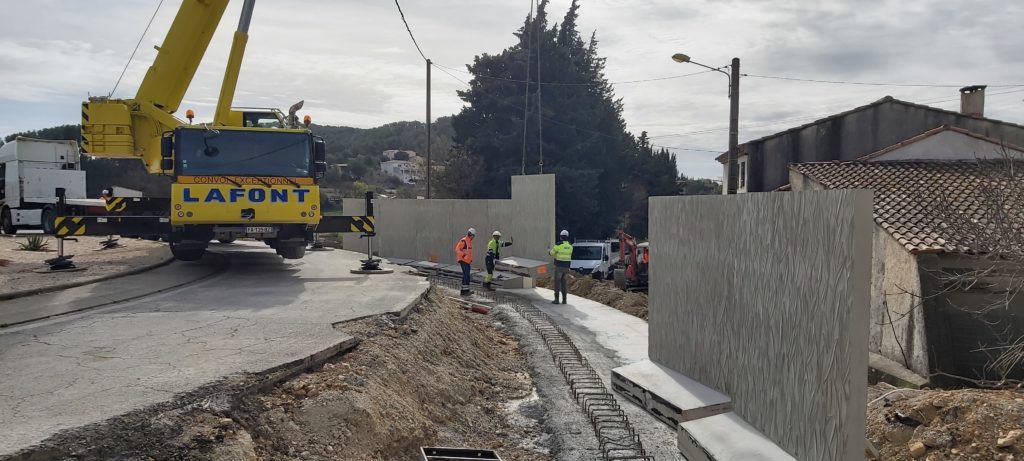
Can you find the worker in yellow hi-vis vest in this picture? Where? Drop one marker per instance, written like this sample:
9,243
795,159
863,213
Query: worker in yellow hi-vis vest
494,246
563,260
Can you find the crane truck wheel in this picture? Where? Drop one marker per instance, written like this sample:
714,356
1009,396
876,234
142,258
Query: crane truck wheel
187,252
291,251
226,241
7,223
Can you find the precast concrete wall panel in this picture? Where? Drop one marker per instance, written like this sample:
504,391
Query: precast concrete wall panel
765,297
428,229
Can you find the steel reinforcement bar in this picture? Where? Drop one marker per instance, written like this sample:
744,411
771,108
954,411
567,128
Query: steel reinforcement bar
616,437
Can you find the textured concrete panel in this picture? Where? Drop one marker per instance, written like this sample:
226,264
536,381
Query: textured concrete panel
764,297
428,229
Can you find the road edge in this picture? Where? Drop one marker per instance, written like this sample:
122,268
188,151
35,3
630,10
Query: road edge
103,278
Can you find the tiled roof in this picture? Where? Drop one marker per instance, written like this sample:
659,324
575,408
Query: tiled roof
917,202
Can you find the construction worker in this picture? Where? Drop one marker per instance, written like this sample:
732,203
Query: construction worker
494,246
464,255
563,260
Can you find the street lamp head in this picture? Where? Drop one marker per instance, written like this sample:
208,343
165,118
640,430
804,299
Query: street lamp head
680,57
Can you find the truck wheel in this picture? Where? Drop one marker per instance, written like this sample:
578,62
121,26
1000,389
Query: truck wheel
187,253
7,223
597,275
292,251
226,241
48,217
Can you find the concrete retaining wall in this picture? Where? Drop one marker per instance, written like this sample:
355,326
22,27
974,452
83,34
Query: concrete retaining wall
429,229
764,297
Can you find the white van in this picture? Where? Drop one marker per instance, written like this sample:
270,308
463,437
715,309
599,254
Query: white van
595,257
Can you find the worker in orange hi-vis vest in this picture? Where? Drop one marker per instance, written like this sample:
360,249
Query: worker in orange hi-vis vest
464,255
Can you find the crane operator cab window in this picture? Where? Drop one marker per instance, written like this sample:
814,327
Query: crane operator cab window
261,120
209,152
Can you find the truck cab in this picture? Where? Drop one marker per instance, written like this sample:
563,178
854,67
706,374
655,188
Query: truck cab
242,183
594,257
30,172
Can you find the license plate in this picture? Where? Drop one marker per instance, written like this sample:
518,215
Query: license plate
259,230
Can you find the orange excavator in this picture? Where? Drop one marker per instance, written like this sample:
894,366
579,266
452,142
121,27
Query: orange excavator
630,273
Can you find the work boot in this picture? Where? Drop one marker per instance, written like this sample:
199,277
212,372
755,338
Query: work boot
487,286
563,298
465,293
555,301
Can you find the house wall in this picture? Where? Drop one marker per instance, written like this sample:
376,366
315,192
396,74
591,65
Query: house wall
959,325
947,145
897,313
765,297
428,229
855,135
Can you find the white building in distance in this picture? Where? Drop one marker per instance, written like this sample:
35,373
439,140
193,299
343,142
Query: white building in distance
407,171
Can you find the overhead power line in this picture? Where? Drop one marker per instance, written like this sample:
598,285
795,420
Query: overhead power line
400,13
841,82
556,122
623,82
151,18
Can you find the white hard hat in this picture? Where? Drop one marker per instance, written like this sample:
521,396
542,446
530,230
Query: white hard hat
471,231
564,233
496,234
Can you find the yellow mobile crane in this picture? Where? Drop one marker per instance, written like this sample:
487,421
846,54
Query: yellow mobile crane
249,173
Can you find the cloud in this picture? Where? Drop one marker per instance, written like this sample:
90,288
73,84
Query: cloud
354,64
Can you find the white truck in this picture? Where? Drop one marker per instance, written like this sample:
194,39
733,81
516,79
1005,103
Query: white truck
595,257
31,170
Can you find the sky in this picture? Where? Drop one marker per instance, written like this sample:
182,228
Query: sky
353,62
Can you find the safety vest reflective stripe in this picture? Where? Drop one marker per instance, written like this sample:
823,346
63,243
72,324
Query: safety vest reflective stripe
562,252
464,250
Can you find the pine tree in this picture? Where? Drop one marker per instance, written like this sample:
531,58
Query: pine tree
585,142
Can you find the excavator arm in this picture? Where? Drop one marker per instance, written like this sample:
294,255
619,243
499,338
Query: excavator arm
132,128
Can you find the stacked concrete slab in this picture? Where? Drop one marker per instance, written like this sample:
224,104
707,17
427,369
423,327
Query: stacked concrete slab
428,229
764,298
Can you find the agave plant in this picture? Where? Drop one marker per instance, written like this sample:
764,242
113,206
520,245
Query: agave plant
35,243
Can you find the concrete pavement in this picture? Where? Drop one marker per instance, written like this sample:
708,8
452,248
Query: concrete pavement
98,293
260,313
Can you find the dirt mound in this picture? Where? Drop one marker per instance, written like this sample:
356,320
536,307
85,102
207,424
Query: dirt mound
946,425
443,378
604,292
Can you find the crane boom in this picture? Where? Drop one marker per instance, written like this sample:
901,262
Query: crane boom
175,65
132,128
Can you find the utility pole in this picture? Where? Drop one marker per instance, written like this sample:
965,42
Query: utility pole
734,121
428,127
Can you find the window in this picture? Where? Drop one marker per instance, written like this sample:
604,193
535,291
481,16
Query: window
586,253
743,174
243,153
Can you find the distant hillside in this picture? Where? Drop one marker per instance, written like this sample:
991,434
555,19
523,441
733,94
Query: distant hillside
361,148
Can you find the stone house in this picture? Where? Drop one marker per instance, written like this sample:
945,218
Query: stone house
763,164
938,294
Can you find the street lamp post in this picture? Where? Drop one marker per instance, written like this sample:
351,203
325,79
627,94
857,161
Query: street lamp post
734,114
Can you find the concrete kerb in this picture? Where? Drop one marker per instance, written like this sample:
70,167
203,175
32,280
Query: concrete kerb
78,283
221,267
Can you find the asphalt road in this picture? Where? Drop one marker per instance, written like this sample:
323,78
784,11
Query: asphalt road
258,313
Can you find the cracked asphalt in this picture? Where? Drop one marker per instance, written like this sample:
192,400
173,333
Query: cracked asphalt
260,313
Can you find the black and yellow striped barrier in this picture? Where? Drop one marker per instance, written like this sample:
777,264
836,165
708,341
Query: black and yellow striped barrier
355,224
69,226
116,205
